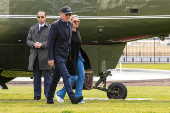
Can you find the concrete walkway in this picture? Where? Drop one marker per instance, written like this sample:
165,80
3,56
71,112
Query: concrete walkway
137,74
125,74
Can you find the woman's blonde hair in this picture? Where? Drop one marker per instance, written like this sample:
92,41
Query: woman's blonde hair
73,16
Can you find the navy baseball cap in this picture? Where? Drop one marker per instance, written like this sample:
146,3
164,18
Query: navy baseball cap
66,10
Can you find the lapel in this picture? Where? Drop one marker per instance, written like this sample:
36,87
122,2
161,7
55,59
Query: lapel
36,31
45,24
70,26
79,37
37,28
62,28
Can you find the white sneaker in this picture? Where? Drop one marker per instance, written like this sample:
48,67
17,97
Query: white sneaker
82,102
59,99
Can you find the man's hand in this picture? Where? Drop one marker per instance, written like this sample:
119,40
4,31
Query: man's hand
37,45
51,63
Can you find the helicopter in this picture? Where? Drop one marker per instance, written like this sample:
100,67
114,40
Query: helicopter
106,27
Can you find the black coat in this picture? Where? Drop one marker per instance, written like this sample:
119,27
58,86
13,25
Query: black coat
58,44
75,48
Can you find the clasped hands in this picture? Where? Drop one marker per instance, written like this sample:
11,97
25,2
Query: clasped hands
37,45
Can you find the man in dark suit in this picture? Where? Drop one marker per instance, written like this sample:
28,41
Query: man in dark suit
58,48
38,62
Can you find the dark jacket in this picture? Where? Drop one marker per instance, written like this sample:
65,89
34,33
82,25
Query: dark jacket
41,36
75,48
58,44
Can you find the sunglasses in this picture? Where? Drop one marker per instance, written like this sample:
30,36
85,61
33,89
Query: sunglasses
68,14
40,16
76,21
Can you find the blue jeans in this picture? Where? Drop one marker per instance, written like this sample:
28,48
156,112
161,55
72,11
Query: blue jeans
74,78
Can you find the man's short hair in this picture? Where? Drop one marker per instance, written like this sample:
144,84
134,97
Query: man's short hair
42,11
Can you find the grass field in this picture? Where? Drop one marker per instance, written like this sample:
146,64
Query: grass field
19,99
146,66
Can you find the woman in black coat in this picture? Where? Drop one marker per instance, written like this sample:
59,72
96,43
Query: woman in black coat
78,64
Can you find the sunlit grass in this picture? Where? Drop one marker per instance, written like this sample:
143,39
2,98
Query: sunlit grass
20,99
146,66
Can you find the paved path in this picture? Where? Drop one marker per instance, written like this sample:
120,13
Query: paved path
138,74
126,74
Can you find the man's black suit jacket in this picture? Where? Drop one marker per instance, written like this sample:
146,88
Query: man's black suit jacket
58,44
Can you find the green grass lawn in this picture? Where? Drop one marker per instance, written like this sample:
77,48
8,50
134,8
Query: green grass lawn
19,99
146,66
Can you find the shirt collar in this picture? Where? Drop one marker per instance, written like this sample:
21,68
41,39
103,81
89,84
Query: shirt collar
41,25
64,22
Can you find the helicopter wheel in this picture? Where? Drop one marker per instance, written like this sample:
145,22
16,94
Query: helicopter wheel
119,91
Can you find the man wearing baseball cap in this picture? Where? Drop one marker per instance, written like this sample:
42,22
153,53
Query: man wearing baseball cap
59,51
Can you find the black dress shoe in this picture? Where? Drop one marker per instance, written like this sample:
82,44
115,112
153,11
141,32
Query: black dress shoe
50,102
35,98
76,100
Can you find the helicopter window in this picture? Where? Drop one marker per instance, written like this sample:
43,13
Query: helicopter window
133,10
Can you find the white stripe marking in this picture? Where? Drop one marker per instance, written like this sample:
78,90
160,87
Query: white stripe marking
112,99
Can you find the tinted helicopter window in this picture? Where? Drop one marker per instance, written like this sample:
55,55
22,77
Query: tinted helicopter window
133,10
